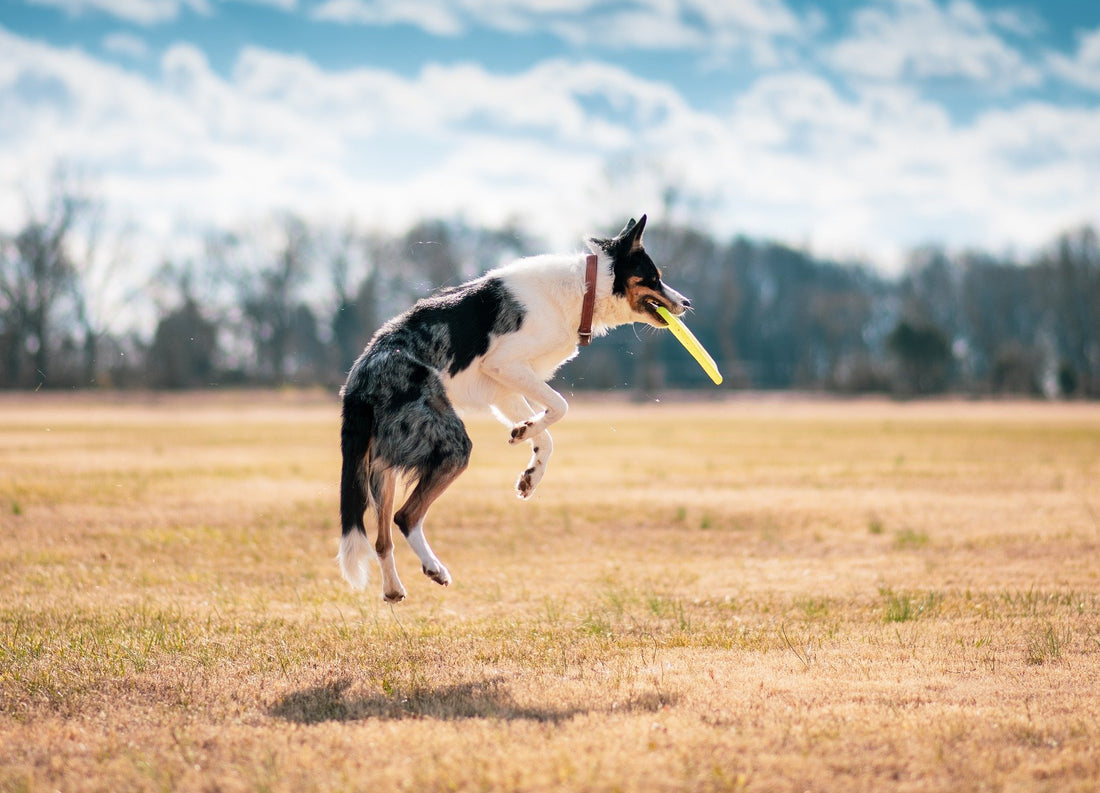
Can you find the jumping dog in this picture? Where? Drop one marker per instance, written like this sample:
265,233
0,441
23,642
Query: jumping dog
494,341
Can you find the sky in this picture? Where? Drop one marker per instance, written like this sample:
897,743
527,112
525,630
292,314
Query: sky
857,129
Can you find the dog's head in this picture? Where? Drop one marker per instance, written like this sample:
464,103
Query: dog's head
636,278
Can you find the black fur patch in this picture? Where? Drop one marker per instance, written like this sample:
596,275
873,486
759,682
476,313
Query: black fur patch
449,330
635,264
469,313
355,435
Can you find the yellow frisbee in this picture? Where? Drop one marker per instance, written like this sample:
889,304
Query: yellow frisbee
691,344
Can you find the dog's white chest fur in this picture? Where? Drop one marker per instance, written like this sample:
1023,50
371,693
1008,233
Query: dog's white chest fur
549,289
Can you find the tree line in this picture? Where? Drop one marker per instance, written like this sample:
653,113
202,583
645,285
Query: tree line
286,303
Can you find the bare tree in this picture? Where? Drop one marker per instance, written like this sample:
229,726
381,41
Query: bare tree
185,349
269,277
998,324
1070,284
99,291
37,277
354,283
923,353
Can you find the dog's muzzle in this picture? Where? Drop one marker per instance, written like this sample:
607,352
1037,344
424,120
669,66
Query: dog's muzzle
673,301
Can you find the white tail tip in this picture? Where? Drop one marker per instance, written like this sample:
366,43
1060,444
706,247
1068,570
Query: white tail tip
354,556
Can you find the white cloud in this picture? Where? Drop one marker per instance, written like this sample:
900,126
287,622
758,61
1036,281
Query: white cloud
282,5
762,16
126,44
193,148
715,26
148,12
432,16
1024,22
648,29
580,142
895,39
1084,68
142,12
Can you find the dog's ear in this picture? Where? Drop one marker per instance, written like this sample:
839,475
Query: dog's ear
630,237
626,241
636,234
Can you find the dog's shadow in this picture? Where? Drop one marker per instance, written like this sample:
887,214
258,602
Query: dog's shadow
486,699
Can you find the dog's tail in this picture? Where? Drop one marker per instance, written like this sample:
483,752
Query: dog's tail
356,435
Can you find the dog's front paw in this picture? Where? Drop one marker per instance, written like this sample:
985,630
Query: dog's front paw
525,485
528,481
521,431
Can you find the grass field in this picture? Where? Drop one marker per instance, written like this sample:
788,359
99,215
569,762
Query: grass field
766,595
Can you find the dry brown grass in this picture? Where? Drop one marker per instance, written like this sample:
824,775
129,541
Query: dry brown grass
760,595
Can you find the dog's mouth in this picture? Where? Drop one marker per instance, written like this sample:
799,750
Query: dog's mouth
651,309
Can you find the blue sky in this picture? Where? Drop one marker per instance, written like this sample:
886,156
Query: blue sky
857,129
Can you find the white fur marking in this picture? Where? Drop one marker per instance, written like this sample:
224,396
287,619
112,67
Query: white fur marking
392,588
542,446
354,556
432,566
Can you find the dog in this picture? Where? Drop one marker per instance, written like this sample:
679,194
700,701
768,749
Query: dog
492,342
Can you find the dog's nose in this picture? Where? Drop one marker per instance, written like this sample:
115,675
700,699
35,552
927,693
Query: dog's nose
687,303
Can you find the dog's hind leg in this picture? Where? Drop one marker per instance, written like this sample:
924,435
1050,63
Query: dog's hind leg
384,485
513,409
447,455
410,518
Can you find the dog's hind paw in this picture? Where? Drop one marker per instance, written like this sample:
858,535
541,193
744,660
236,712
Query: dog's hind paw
394,597
440,576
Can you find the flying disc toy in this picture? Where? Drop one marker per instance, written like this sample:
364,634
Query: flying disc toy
691,344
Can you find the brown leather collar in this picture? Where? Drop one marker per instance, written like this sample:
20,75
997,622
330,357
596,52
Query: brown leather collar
584,332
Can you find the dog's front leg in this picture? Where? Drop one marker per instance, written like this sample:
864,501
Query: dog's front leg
521,379
513,409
